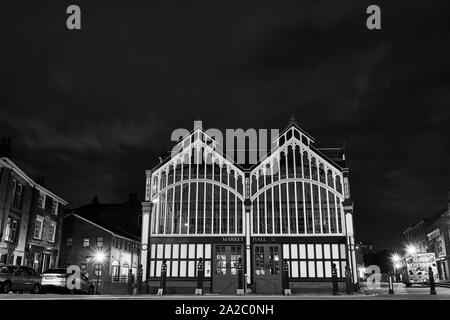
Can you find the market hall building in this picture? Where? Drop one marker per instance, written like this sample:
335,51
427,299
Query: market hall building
293,204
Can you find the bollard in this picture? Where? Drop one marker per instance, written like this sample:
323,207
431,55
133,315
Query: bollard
139,279
200,275
432,285
162,284
130,281
348,280
334,279
285,277
240,272
391,285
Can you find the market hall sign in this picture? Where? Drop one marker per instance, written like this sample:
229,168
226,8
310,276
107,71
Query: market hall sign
232,239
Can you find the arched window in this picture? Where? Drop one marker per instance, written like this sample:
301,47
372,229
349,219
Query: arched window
115,270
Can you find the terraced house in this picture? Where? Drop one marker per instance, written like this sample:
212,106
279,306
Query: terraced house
30,217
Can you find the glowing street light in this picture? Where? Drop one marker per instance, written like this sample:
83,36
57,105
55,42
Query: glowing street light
99,257
395,258
411,249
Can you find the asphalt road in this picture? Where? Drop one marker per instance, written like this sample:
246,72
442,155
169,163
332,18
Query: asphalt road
400,293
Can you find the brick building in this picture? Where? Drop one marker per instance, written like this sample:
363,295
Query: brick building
83,239
30,218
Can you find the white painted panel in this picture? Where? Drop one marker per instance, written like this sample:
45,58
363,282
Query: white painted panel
152,268
200,251
303,270
319,269
207,268
183,251
343,255
335,250
192,251
286,251
318,251
207,251
294,251
182,268
191,269
302,249
327,251
310,251
328,269
159,253
294,269
311,269
174,268
175,251
153,251
158,268
167,252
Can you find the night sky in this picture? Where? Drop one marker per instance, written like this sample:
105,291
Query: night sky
90,110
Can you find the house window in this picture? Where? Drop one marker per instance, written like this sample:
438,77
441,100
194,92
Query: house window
38,224
52,231
11,229
41,200
99,242
69,242
54,207
18,260
86,242
16,196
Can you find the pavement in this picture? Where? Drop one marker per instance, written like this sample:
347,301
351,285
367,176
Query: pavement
400,293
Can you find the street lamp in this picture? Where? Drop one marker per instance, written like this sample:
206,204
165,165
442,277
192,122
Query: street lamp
411,249
395,263
99,258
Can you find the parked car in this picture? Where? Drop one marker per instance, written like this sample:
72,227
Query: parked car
19,278
55,280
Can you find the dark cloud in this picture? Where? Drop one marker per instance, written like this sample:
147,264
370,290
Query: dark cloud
91,110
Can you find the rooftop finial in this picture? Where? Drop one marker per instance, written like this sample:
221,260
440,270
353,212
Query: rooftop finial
292,121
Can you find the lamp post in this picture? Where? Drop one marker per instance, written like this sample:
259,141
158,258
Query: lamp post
395,264
99,258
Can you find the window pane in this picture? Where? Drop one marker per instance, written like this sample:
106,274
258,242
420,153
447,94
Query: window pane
192,251
310,251
302,251
175,268
191,270
182,268
158,268
207,251
286,251
183,253
328,269
167,251
303,269
312,269
335,249
294,269
175,251
152,268
152,251
343,255
159,253
343,265
199,251
318,251
320,269
326,249
294,253
207,268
